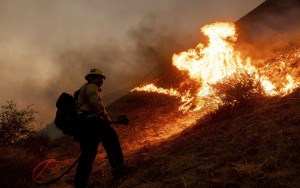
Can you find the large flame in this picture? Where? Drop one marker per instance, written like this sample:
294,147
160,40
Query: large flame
214,62
210,64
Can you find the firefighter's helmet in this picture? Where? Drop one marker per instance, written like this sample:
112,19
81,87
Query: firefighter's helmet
95,72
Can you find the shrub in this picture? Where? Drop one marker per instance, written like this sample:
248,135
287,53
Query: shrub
238,89
237,92
15,125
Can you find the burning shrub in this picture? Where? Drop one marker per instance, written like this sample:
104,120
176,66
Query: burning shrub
239,91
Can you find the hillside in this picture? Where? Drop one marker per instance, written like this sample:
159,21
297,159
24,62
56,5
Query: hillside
248,147
253,146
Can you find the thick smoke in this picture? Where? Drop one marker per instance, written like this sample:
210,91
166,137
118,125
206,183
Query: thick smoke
47,47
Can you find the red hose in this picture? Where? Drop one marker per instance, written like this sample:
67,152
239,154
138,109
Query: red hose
44,164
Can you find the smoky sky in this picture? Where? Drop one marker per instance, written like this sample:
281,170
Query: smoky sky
47,47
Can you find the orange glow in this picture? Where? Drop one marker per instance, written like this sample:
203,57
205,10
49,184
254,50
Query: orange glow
209,64
153,88
214,62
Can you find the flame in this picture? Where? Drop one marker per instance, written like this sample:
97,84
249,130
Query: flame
210,64
290,86
153,88
214,62
185,98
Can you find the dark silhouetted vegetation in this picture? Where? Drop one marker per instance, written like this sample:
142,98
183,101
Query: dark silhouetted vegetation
16,125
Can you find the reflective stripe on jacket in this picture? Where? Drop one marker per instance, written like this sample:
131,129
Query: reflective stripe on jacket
90,101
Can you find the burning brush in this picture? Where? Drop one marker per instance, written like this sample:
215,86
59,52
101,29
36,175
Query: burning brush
219,61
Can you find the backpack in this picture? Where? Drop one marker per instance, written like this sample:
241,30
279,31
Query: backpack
66,118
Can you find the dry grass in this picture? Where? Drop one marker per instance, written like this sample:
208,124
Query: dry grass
250,142
18,161
253,145
253,149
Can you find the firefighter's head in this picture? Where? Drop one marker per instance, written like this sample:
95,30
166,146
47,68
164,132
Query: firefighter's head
96,77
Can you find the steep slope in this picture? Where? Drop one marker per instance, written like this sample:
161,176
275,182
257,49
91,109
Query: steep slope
256,147
253,146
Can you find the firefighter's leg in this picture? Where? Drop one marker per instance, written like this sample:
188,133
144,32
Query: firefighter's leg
113,149
88,153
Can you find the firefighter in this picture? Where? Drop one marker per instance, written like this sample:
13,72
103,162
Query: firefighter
94,128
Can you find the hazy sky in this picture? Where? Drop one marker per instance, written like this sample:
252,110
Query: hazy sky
47,46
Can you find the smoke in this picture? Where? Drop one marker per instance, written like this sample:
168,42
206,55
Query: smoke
47,47
270,28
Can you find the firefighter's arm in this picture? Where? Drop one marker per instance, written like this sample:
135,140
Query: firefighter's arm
95,102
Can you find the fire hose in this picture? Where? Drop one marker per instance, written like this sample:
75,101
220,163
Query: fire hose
44,164
47,162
